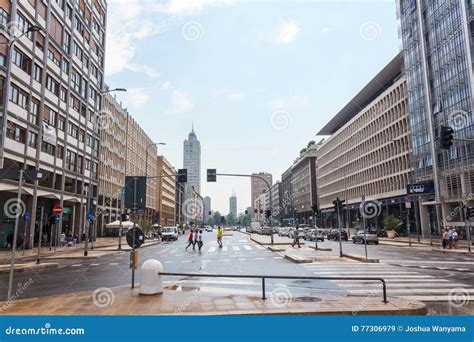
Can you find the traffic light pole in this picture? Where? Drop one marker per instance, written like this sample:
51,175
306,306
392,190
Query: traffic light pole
340,231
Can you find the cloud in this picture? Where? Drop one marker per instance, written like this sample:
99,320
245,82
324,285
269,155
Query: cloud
235,96
325,30
289,102
136,98
287,32
187,7
180,102
144,69
165,85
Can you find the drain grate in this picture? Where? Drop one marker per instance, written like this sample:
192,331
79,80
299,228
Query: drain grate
307,299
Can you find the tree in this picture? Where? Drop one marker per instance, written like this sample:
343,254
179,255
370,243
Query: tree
230,219
310,143
211,222
217,218
391,223
247,220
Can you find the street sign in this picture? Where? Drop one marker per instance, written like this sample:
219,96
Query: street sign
57,218
211,175
139,237
420,188
26,217
57,209
135,193
408,200
90,216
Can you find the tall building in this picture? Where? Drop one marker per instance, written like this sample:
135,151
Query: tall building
112,160
206,202
286,198
52,81
165,193
141,161
192,162
233,205
437,42
258,185
366,159
304,186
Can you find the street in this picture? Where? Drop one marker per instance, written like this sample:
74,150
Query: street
412,273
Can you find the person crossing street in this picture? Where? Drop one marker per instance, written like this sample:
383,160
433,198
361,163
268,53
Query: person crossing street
190,239
219,236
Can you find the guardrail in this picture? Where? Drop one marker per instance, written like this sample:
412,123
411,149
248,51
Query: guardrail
263,277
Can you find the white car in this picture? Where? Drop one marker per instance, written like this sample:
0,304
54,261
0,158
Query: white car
208,229
169,233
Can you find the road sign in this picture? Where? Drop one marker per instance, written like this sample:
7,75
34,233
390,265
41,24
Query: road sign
26,217
420,188
135,193
211,175
90,216
139,237
57,218
57,209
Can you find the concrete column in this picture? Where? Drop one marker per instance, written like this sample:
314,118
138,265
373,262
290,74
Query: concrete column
424,221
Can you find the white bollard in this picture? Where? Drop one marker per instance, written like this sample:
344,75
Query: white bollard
150,280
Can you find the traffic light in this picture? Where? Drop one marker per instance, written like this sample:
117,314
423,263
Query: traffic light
261,211
446,137
468,213
338,203
314,208
182,175
210,213
246,212
255,211
268,213
211,175
124,217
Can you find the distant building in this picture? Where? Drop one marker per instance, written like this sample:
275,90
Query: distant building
165,193
258,185
206,202
233,206
192,162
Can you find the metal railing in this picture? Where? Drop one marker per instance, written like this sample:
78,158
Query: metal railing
263,277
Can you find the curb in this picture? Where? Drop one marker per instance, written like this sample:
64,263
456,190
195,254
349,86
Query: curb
324,249
28,268
450,251
277,248
82,257
361,258
274,244
297,259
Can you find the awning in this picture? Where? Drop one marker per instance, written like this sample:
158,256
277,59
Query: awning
48,194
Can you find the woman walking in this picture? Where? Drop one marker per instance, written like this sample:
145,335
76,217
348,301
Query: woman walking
190,240
200,243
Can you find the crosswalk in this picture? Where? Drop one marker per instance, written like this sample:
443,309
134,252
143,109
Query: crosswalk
402,282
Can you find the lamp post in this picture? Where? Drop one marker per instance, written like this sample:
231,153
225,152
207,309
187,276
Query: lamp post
90,189
6,87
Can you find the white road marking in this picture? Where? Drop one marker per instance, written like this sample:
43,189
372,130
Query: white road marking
77,265
247,247
224,248
187,261
236,248
259,247
113,263
95,264
211,250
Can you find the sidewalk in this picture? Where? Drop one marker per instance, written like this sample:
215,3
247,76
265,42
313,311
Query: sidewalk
100,246
126,301
26,267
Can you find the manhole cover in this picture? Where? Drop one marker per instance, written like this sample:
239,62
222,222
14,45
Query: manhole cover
307,299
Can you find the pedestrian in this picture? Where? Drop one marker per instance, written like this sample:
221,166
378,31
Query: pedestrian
445,238
296,238
196,235
190,239
455,239
62,239
9,240
200,243
219,236
74,240
450,238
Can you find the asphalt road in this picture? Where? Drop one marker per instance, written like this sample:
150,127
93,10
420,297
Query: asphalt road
445,282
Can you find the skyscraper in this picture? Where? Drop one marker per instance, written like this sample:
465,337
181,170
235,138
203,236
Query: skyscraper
192,162
233,205
438,48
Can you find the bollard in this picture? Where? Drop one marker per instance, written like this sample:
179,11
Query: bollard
151,281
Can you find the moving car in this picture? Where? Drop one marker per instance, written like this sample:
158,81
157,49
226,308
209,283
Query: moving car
283,231
311,235
169,234
361,237
208,229
265,230
334,235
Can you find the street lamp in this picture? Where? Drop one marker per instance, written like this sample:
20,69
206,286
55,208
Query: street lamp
90,191
6,88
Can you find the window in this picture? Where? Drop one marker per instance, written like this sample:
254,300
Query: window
61,123
81,135
88,164
79,163
32,139
69,12
76,80
34,111
73,130
66,41
56,30
54,55
18,96
48,148
77,50
37,72
23,26
50,116
75,103
52,85
16,132
3,17
63,94
70,160
65,66
40,41
59,151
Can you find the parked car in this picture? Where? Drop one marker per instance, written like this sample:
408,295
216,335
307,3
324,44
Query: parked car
169,233
301,233
311,235
334,235
265,230
254,227
380,232
283,231
369,237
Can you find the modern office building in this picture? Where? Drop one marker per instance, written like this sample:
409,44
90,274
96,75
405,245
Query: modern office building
52,83
286,198
276,202
259,186
141,161
192,162
206,203
233,205
165,193
437,42
112,165
367,156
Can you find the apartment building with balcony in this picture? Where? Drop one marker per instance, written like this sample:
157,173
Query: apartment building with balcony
367,155
52,81
165,193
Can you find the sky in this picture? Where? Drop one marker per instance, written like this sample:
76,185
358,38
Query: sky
258,79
